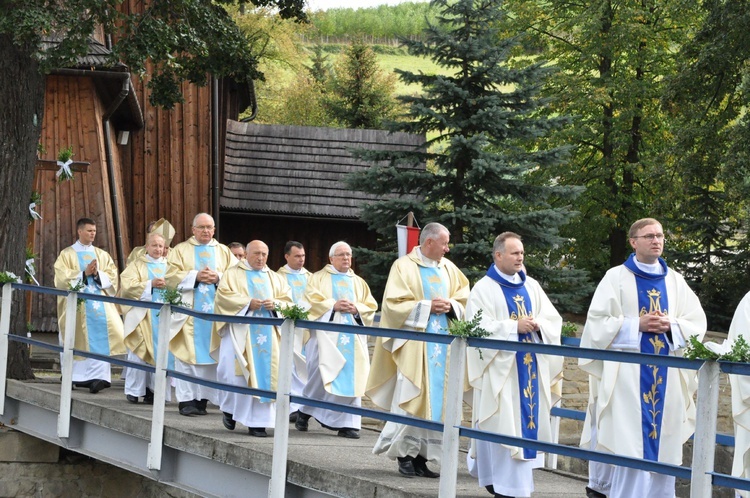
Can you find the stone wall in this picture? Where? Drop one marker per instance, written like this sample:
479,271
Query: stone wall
79,476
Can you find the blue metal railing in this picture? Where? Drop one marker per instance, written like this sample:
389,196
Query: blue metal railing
570,348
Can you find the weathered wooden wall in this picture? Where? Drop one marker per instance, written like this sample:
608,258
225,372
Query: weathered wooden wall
317,235
73,116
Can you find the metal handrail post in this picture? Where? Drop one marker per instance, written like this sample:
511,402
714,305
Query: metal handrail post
454,400
155,445
277,485
707,406
4,341
66,365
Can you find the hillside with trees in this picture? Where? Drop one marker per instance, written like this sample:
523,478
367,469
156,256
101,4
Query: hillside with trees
656,94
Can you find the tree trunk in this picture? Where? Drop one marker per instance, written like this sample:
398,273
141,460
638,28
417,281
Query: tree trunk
22,94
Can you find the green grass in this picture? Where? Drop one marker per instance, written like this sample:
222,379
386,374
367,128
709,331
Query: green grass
389,62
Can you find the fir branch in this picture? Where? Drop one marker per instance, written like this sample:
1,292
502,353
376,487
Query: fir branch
739,352
78,287
173,296
9,277
293,312
468,328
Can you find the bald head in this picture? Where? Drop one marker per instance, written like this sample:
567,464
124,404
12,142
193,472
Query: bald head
256,254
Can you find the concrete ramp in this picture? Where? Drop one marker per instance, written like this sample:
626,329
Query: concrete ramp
202,457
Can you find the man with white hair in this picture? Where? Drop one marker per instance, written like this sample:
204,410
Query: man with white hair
423,291
143,280
338,363
195,267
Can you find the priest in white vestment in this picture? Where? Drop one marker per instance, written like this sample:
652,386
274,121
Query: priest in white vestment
740,384
249,354
511,390
337,362
98,324
195,268
641,411
144,280
297,276
423,291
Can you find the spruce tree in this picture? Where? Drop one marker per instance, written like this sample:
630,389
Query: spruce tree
483,124
360,94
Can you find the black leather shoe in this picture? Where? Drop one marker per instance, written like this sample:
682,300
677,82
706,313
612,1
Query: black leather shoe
149,397
228,421
592,493
293,417
420,468
188,408
301,423
257,431
349,433
201,406
406,467
131,398
97,385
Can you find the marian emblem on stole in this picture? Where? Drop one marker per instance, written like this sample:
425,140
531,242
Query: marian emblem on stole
653,397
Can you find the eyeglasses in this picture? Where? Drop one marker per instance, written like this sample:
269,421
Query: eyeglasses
204,227
650,236
343,255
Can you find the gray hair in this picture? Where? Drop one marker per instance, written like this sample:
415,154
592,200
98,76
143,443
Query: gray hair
432,231
203,214
335,245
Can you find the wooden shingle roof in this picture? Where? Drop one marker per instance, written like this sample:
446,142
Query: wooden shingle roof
299,170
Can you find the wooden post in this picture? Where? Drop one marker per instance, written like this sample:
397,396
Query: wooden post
410,219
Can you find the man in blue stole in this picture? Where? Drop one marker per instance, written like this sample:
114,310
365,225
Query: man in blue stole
297,276
98,324
143,280
337,362
640,411
424,289
195,267
512,394
249,354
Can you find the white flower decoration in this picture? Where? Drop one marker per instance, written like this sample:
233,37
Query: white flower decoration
92,289
437,350
202,288
344,339
96,305
261,340
207,308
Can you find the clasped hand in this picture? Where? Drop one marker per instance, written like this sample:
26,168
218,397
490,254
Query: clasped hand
654,322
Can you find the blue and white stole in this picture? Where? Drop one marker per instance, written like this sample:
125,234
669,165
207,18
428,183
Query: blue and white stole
519,306
97,331
342,286
203,301
652,296
298,284
157,269
434,285
261,336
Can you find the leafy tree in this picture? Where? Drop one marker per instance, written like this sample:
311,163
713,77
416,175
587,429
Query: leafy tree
484,125
708,100
614,58
360,93
182,39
